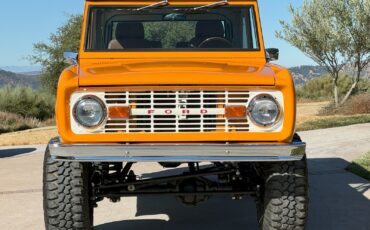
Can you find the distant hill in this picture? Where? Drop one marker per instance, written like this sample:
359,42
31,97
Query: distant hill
302,74
21,69
31,73
16,79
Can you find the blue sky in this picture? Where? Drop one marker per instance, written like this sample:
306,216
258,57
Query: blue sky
36,19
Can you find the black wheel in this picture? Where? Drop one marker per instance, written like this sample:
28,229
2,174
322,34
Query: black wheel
283,198
66,195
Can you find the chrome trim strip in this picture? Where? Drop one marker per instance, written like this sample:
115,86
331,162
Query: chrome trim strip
177,152
177,158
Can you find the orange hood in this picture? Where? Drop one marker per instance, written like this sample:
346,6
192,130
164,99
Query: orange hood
101,72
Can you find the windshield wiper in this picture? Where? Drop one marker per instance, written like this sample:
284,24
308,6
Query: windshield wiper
154,5
212,5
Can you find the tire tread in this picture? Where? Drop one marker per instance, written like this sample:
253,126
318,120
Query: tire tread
66,197
285,198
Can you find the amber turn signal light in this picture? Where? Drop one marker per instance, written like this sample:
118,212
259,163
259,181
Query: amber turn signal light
235,111
119,112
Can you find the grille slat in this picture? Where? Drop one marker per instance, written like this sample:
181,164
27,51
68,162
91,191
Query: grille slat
166,99
176,101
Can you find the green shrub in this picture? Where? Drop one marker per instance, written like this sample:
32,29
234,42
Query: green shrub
27,102
10,122
357,104
322,88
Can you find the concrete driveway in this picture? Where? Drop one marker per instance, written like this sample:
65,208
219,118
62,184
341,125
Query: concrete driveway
339,199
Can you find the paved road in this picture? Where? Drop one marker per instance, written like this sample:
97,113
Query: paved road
339,200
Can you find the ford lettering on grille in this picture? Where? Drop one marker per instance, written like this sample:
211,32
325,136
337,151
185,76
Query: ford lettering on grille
177,111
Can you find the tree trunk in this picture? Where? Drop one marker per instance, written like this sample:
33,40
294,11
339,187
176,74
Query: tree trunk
335,76
354,84
336,100
350,91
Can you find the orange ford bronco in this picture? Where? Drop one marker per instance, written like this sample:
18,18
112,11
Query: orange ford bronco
175,82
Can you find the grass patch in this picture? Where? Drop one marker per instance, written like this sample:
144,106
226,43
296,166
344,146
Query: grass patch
335,121
361,167
29,137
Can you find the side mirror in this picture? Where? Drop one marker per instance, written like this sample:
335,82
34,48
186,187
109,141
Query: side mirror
272,54
70,58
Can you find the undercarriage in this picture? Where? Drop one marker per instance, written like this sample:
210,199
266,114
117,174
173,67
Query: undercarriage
191,185
72,189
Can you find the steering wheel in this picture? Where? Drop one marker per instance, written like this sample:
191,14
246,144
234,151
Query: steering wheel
216,42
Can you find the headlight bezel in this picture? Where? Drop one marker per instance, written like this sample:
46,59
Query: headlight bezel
252,104
100,102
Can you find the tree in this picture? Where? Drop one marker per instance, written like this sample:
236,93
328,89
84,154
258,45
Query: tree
354,20
329,32
50,56
170,33
67,38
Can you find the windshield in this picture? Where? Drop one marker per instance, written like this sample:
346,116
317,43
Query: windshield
172,28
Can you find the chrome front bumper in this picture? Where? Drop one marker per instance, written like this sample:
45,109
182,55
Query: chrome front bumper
177,152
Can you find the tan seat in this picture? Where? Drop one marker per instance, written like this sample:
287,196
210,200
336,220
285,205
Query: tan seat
129,35
115,45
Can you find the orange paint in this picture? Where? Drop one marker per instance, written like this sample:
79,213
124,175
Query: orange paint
174,70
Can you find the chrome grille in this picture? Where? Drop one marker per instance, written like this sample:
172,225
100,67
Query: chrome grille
193,101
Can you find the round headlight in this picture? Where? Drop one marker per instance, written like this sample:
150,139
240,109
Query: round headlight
264,110
89,111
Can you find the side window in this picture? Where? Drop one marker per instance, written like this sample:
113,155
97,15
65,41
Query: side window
249,29
245,31
253,29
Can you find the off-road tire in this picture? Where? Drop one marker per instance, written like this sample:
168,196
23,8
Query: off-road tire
66,195
283,198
